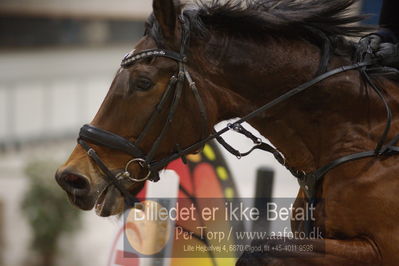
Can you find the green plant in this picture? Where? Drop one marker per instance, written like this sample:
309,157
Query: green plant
49,213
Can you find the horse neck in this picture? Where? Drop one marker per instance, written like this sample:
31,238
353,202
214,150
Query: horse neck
324,123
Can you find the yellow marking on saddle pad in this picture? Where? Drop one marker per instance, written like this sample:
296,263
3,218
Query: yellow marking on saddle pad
209,153
229,193
226,261
195,158
222,173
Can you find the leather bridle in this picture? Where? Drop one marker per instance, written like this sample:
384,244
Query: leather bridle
308,181
91,134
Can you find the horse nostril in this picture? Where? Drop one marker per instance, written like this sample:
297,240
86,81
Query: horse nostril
73,183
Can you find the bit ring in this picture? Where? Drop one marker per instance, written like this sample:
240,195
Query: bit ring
143,165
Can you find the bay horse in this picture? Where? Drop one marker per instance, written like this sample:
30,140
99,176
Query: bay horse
197,65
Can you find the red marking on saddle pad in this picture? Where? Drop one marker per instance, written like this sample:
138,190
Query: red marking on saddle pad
184,174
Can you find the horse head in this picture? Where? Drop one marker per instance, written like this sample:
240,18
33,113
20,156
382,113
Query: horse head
197,66
154,103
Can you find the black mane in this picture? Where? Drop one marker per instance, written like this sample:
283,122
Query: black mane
318,21
259,17
324,23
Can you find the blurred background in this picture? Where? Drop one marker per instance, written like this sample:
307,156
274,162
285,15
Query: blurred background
57,60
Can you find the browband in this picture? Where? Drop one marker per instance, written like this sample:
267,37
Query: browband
132,58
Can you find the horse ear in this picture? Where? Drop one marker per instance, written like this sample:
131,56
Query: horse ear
165,12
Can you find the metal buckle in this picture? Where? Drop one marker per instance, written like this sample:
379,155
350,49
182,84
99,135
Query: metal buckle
235,127
126,173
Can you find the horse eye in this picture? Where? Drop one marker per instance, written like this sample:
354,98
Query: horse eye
144,84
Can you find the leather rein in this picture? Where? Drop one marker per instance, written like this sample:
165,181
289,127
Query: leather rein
307,181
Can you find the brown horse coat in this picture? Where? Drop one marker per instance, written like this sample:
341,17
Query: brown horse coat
242,57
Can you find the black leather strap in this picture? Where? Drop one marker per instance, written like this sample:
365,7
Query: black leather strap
171,114
163,162
200,104
129,199
158,110
380,94
302,88
309,181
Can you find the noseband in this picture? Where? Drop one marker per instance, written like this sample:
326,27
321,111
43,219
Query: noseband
307,181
